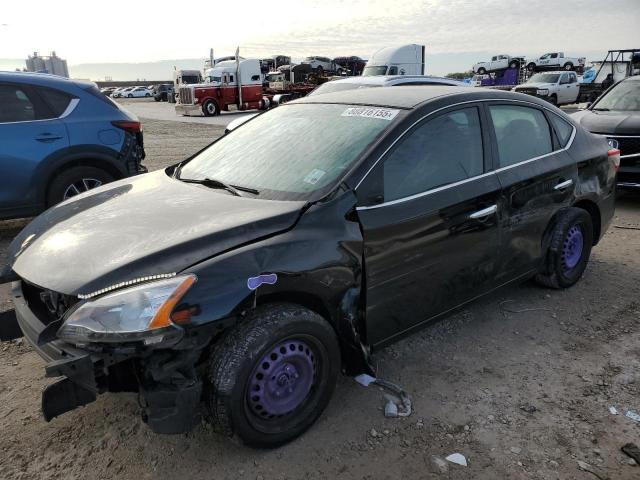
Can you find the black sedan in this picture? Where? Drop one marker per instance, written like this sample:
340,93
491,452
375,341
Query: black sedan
246,278
616,114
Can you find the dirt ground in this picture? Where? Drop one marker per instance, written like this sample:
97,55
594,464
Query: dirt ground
519,382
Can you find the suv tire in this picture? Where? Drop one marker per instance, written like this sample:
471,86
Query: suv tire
75,180
569,250
272,376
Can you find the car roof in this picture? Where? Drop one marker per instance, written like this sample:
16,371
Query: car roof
410,96
45,79
382,80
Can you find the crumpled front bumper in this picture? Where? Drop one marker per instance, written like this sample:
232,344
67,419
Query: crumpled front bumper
170,405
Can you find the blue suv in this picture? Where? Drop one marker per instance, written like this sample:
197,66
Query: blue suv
59,138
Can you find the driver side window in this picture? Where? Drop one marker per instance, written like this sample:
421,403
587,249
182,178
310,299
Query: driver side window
440,151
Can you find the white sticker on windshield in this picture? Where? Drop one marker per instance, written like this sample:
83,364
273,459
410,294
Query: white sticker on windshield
369,112
314,176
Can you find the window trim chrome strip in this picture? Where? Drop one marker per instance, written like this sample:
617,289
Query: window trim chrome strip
460,182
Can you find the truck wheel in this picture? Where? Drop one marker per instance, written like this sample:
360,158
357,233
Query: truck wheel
513,64
210,108
568,66
569,250
482,71
531,67
272,376
74,181
553,100
319,70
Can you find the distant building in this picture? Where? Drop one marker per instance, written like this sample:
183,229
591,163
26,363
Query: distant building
52,64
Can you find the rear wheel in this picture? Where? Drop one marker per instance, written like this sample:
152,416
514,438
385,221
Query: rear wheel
273,375
74,181
569,250
210,108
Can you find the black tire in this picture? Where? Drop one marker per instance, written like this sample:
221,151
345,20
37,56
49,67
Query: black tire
553,100
531,67
74,176
157,99
319,70
568,66
556,272
210,108
514,64
482,71
147,94
129,96
232,371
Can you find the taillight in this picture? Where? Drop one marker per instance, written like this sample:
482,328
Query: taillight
128,126
614,158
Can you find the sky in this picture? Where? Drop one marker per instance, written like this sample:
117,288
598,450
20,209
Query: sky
452,30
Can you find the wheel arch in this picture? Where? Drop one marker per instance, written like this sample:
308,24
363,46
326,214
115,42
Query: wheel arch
596,218
50,168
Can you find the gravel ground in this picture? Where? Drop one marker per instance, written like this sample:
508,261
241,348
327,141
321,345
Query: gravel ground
519,382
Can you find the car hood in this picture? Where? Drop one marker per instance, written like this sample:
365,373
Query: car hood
142,226
611,123
536,85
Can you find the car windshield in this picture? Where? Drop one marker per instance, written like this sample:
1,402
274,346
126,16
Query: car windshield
623,97
544,78
331,87
294,152
372,71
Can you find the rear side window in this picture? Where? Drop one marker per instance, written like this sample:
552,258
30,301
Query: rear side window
521,132
563,129
438,152
56,100
16,106
95,91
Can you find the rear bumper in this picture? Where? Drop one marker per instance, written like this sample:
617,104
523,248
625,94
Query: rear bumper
190,110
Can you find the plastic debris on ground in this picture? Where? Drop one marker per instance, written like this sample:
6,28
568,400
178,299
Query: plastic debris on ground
398,402
632,415
457,458
613,410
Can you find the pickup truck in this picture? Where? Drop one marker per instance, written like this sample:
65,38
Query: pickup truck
555,61
559,88
497,62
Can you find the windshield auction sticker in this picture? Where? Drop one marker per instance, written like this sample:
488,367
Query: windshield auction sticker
368,112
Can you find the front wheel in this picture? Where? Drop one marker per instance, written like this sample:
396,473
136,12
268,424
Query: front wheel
531,67
568,66
553,99
273,375
569,250
210,108
129,96
482,71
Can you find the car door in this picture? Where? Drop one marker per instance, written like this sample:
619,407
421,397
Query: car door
564,89
538,178
428,211
501,63
28,134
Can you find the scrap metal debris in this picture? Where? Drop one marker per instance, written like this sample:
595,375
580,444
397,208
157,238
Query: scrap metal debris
398,401
613,410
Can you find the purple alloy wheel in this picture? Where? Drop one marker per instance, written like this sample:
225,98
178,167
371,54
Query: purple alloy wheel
572,248
282,380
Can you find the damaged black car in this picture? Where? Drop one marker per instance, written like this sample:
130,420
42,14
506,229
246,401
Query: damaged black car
238,284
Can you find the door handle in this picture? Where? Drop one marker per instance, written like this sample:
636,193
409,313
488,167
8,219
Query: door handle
563,185
48,137
485,212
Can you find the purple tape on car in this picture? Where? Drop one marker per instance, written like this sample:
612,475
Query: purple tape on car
255,282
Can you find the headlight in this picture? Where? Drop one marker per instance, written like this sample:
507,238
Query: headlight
142,312
542,91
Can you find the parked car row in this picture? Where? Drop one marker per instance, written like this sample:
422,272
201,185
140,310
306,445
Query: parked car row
132,92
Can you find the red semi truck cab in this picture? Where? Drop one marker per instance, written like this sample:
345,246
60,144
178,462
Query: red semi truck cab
227,86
